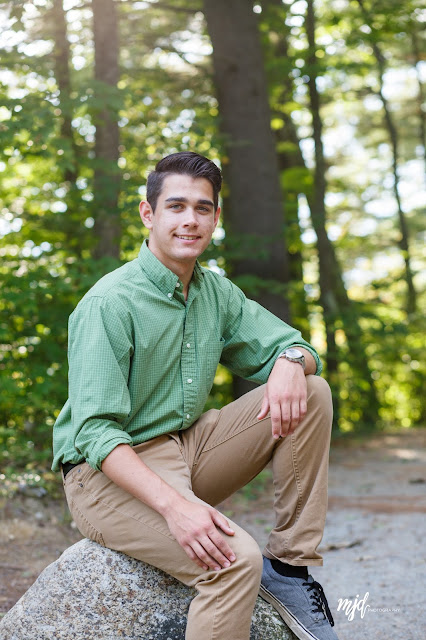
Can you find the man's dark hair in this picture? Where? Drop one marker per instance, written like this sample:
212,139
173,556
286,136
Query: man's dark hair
186,163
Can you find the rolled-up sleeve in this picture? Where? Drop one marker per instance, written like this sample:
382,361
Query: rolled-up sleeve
254,337
99,353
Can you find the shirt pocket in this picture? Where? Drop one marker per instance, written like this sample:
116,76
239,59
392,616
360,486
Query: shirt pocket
210,357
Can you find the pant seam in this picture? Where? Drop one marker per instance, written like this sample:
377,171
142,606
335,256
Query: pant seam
298,489
249,426
216,607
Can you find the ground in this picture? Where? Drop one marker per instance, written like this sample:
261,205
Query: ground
373,543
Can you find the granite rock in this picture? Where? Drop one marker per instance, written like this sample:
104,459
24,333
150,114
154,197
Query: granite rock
92,592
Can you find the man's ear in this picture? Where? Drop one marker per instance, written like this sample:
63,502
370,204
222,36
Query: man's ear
146,213
216,216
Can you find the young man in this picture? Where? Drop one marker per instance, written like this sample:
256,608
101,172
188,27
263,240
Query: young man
143,466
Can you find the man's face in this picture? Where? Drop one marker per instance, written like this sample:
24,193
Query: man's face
181,227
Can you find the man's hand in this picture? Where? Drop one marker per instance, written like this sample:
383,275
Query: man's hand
195,528
285,397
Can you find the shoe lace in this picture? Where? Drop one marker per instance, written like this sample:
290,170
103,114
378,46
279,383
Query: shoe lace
319,600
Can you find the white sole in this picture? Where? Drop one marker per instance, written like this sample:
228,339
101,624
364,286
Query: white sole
291,621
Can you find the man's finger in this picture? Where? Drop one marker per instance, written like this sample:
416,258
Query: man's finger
222,523
222,551
295,415
303,408
212,546
193,556
285,418
264,408
205,557
218,540
276,420
300,412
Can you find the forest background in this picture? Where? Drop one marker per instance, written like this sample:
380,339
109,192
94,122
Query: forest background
315,113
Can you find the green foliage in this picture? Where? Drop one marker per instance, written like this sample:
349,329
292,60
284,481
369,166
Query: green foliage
37,297
165,101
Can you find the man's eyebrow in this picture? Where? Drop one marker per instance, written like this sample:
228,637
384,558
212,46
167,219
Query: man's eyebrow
185,200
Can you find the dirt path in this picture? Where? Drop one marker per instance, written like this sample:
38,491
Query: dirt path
373,542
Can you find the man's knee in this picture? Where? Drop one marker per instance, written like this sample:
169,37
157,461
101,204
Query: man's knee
254,559
319,396
249,557
318,388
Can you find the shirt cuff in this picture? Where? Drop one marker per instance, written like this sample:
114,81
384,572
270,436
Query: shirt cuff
102,450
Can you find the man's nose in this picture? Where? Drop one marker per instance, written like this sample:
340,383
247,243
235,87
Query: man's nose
190,217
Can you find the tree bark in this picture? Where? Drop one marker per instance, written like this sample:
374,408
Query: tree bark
254,218
411,302
106,173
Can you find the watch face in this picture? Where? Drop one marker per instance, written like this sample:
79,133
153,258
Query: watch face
294,353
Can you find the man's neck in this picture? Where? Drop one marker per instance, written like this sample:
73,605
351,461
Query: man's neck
184,271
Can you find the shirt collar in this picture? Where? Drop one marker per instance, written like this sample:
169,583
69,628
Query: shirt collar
161,276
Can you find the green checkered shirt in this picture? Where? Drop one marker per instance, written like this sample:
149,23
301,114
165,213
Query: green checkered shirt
142,360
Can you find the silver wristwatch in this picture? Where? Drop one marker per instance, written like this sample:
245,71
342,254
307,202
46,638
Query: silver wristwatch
293,355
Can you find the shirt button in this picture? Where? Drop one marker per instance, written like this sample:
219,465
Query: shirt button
189,380
187,416
177,285
170,295
188,344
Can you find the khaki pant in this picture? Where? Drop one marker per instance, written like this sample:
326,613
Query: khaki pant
208,462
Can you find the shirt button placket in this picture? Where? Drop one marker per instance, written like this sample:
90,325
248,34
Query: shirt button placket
188,371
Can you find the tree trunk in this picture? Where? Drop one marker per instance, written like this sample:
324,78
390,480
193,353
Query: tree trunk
106,176
254,219
274,13
411,303
337,307
420,94
61,55
61,60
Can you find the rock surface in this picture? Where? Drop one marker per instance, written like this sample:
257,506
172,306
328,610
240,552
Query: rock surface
92,592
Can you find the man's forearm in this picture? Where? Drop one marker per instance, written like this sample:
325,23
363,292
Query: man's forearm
124,467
